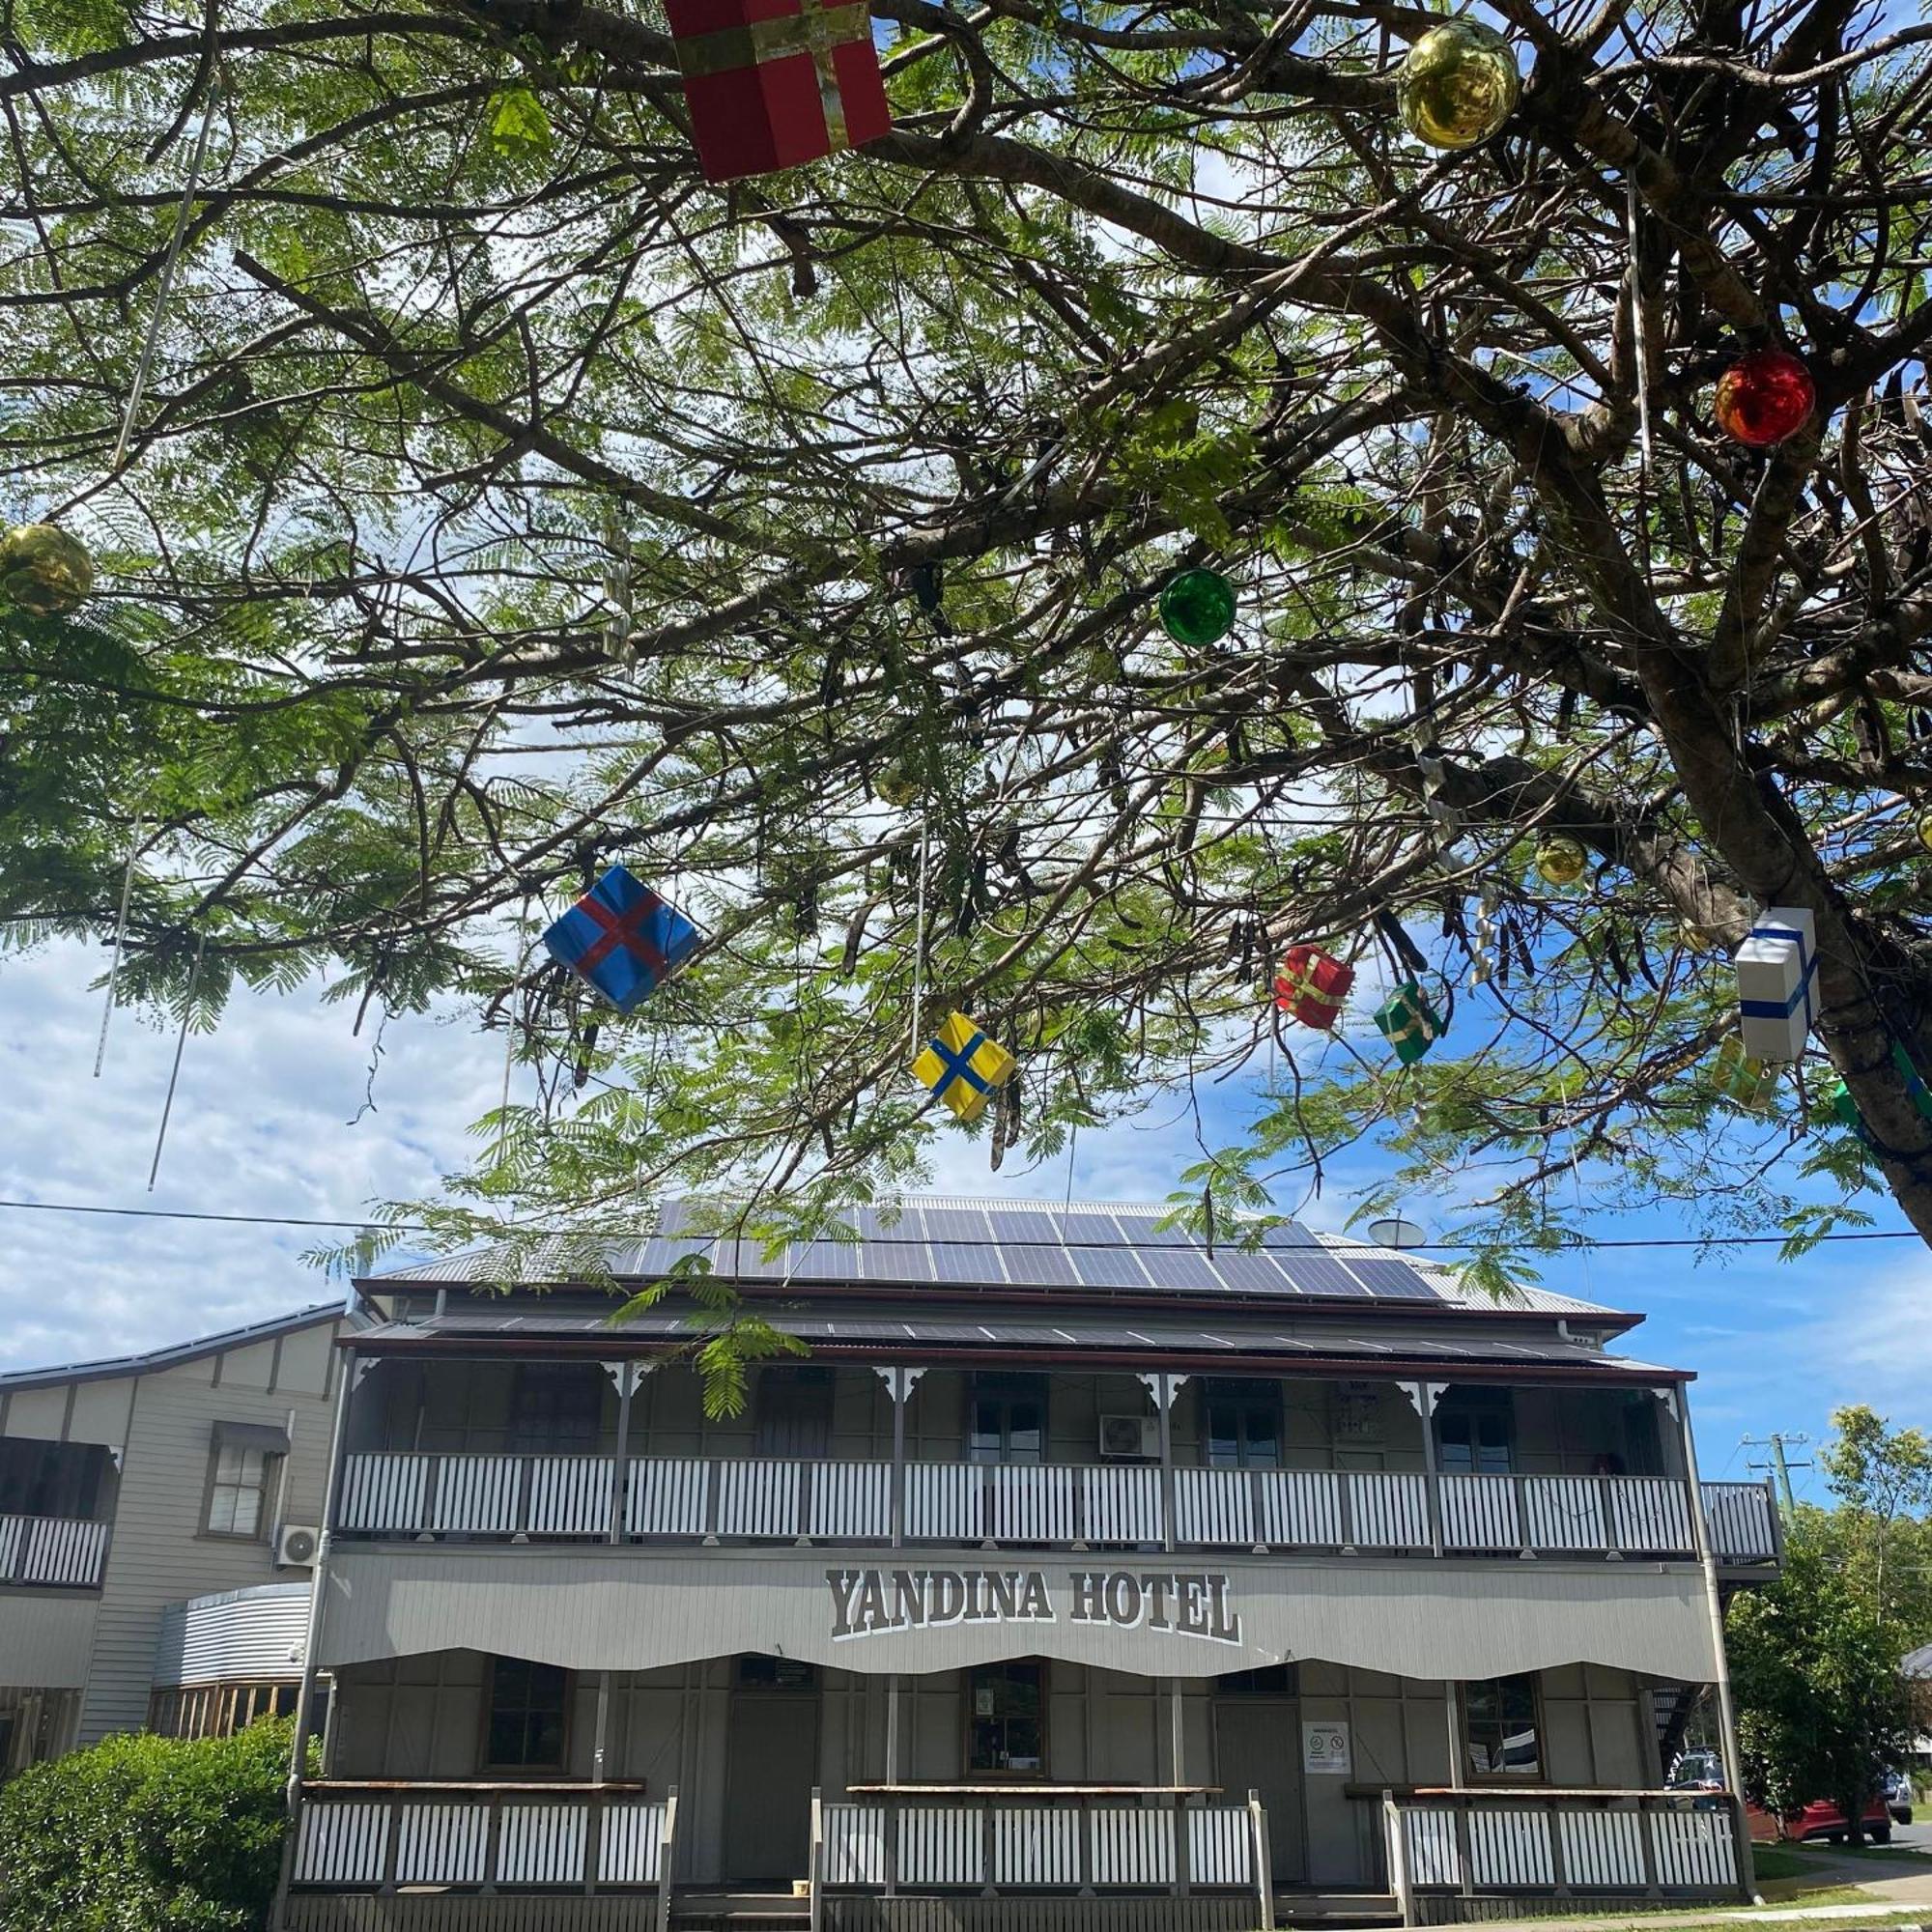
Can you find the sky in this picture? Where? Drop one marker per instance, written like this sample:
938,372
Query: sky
265,1121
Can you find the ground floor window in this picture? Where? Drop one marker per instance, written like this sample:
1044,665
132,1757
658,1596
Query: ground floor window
220,1710
1006,1718
528,1702
1499,1727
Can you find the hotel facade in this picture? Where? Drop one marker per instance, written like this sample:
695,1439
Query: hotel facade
1081,1575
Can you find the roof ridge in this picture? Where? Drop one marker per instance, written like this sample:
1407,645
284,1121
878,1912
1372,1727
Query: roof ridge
174,1354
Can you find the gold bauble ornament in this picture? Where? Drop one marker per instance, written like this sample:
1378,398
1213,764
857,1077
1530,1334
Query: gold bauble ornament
1560,860
1458,84
897,785
43,570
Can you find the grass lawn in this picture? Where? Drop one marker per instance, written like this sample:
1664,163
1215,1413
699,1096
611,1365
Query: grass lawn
1775,1862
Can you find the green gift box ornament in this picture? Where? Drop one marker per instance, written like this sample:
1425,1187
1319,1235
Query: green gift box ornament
1409,1022
1749,1083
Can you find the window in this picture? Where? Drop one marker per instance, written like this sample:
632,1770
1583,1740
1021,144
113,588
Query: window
1006,1419
1243,1425
1499,1727
526,1712
1006,1716
1475,1432
560,1409
794,1413
1269,1680
241,1490
758,1672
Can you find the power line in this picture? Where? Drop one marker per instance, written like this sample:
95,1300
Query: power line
1569,1245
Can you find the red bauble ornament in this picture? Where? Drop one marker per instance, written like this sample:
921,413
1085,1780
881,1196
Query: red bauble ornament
1765,397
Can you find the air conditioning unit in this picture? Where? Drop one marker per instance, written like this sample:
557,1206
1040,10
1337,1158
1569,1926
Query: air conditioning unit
296,1546
1130,1439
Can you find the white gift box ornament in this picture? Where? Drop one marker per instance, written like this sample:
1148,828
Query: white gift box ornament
1778,969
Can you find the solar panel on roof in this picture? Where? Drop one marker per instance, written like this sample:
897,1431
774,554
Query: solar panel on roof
1395,1280
1187,1268
1248,1272
1289,1235
1107,1268
1145,1231
1092,1231
956,1224
968,1262
827,1260
1316,1271
1039,1266
897,1260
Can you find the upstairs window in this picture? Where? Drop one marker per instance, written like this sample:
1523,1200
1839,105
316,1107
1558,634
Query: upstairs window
1006,1419
1006,1718
1475,1432
1243,1425
1499,1727
527,1703
244,1469
793,1412
559,1409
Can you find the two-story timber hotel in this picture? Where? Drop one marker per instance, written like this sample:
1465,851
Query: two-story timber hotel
1082,1577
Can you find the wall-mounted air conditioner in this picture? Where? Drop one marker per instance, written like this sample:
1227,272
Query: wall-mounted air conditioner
296,1546
1130,1439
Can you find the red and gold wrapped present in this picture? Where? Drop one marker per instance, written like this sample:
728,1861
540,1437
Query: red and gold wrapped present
1312,986
773,83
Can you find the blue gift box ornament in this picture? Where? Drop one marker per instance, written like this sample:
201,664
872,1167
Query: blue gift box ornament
623,938
1777,972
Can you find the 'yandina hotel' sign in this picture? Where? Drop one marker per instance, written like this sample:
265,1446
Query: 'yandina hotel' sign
1182,1602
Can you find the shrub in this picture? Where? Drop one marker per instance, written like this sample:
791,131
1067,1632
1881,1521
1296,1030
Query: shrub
147,1834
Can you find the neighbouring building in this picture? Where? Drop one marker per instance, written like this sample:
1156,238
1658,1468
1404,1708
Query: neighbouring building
1079,1565
159,1519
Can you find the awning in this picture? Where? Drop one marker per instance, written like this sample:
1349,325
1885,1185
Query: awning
262,1435
618,1609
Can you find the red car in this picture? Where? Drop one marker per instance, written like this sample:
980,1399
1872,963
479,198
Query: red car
1820,1819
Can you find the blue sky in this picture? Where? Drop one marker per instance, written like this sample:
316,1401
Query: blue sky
261,1124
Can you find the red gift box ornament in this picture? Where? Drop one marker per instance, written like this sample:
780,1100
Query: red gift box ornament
774,83
1312,986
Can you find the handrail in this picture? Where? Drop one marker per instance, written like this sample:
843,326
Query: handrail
1563,1842
881,1503
377,1836
53,1551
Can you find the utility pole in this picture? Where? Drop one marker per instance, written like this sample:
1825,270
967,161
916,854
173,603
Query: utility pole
1780,1465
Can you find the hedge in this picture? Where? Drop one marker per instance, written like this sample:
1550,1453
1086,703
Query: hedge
147,1834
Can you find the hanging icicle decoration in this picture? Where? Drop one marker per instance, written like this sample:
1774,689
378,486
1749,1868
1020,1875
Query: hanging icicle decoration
521,960
181,1040
120,938
165,290
1639,337
919,941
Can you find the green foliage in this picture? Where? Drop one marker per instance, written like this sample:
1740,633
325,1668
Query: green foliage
142,1833
1814,1667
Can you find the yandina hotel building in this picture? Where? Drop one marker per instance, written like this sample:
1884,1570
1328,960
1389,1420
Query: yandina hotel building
1082,1576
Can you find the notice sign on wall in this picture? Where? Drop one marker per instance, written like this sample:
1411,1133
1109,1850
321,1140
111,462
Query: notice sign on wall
1324,1749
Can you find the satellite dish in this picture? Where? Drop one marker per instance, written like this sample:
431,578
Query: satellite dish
1396,1233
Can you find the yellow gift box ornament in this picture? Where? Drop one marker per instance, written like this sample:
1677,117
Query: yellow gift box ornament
963,1066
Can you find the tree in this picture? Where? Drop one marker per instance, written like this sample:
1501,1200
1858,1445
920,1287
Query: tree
1882,1478
168,1834
1821,1704
504,499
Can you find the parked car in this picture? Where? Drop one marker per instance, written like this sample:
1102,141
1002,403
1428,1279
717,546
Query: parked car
1819,1819
1697,1770
1898,1797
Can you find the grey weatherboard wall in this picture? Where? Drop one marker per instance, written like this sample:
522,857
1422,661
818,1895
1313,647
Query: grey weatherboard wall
163,1420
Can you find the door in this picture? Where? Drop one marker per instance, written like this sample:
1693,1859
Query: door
1256,1745
770,1763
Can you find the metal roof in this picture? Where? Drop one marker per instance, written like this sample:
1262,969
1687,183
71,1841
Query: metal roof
176,1353
891,1333
967,1244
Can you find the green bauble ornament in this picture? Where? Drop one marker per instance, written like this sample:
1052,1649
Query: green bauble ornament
1560,860
897,784
1458,85
1197,606
43,570
1924,828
